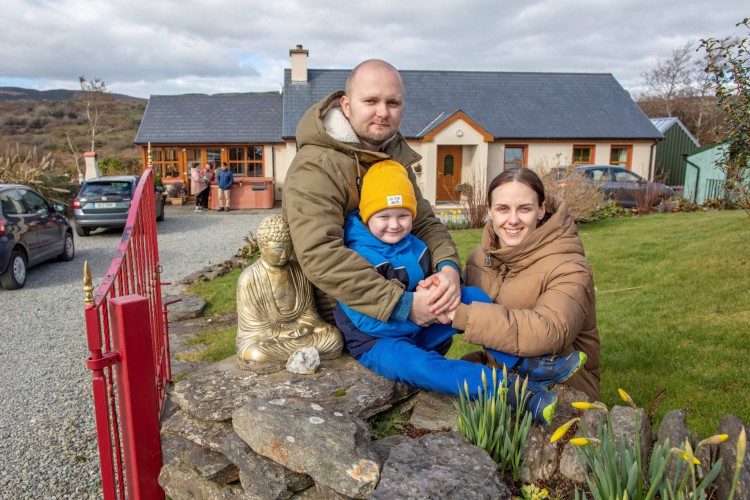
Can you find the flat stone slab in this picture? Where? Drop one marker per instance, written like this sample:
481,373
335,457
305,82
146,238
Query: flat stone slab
342,384
189,307
434,411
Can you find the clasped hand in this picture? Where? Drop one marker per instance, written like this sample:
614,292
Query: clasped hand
436,298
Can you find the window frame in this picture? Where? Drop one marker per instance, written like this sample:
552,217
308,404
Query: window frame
251,165
592,154
629,157
161,163
524,156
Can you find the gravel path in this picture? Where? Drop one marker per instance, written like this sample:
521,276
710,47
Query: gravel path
47,431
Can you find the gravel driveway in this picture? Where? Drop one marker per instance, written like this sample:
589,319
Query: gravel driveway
47,431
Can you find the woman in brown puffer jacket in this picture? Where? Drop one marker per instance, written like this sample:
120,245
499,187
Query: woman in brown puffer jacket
531,263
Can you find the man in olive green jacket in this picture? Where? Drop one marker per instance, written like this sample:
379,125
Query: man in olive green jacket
338,139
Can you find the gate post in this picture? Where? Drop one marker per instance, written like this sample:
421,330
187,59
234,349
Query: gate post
138,401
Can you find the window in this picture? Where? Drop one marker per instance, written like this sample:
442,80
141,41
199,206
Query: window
620,155
583,155
11,203
36,204
192,156
165,161
213,156
515,157
246,161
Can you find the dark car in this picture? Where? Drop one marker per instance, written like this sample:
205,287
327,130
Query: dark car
622,185
32,231
105,202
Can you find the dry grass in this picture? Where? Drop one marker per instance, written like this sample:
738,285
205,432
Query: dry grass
26,167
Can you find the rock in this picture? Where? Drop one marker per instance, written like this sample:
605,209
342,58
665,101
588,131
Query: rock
213,466
180,480
434,411
303,361
189,307
383,447
624,421
589,425
319,492
732,425
673,427
332,447
261,477
341,384
440,465
205,433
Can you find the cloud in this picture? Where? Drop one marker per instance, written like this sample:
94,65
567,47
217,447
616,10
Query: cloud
170,47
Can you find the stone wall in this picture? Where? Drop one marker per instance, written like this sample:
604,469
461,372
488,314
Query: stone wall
231,433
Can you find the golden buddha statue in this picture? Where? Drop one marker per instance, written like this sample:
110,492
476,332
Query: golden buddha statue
276,312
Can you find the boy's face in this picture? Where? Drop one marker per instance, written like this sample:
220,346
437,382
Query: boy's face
390,225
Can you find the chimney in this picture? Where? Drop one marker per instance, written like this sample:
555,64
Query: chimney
299,64
92,165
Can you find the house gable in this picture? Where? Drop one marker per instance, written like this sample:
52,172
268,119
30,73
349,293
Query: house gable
459,121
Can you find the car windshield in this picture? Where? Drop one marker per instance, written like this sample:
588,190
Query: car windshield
114,188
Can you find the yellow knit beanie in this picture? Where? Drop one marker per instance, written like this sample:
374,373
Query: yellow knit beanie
386,185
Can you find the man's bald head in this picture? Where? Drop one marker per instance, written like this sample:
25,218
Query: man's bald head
374,65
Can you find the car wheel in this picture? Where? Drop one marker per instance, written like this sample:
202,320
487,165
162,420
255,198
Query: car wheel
69,249
82,231
15,276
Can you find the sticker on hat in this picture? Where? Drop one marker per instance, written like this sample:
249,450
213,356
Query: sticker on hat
394,200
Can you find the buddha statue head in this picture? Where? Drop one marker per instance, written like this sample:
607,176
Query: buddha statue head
274,241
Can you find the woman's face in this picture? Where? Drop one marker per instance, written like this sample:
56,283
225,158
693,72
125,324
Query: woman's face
515,212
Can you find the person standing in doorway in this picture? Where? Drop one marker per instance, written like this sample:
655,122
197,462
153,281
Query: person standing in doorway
224,179
198,187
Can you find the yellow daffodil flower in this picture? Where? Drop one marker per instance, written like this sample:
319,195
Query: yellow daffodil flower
583,405
715,439
626,397
560,432
584,441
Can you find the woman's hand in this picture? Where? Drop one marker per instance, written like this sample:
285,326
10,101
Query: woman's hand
445,292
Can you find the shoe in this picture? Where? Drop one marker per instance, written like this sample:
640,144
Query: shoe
551,369
541,404
226,210
221,209
197,209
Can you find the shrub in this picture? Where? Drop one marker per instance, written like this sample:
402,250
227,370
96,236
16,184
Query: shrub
474,201
111,166
28,169
581,195
176,190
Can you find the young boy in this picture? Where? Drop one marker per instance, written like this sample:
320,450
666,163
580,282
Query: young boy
380,231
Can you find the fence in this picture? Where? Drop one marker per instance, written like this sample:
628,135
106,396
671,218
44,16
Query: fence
128,340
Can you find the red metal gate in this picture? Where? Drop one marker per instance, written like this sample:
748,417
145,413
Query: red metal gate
128,337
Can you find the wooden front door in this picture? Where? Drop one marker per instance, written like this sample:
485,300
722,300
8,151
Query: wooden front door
448,172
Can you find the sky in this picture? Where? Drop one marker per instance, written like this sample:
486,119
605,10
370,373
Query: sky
166,47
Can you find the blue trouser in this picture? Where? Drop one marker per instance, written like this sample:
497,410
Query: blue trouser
414,360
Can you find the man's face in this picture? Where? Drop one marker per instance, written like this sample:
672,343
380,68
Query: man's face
276,253
374,105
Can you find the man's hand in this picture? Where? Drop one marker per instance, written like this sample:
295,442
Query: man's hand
420,310
446,295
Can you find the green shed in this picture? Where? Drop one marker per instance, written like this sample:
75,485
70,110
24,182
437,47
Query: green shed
669,161
704,178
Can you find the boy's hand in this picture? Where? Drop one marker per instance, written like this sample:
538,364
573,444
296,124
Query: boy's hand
446,296
420,310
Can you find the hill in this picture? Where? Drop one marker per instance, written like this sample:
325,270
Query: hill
46,120
20,94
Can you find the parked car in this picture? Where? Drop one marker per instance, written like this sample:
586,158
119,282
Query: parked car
622,185
32,231
105,202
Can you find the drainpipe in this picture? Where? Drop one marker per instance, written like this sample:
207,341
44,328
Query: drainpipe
697,176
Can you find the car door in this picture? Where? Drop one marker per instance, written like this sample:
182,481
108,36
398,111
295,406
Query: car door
629,186
46,224
17,224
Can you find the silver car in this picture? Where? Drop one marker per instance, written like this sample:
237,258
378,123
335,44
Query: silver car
105,202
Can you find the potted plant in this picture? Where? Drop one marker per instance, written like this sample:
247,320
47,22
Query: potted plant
176,193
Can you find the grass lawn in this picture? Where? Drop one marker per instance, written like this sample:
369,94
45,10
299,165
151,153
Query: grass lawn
673,309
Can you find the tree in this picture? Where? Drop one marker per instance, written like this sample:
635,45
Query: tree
671,79
98,103
729,76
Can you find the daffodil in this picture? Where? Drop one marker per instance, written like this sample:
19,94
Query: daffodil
685,456
584,441
626,397
560,432
715,439
583,405
741,444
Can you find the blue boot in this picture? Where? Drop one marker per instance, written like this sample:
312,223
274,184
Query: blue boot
551,369
540,403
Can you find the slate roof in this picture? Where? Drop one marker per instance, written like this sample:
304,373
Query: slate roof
507,105
213,119
664,124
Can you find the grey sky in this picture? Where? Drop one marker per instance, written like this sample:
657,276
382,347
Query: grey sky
172,47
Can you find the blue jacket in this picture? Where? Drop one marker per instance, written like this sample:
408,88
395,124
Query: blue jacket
224,178
407,261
